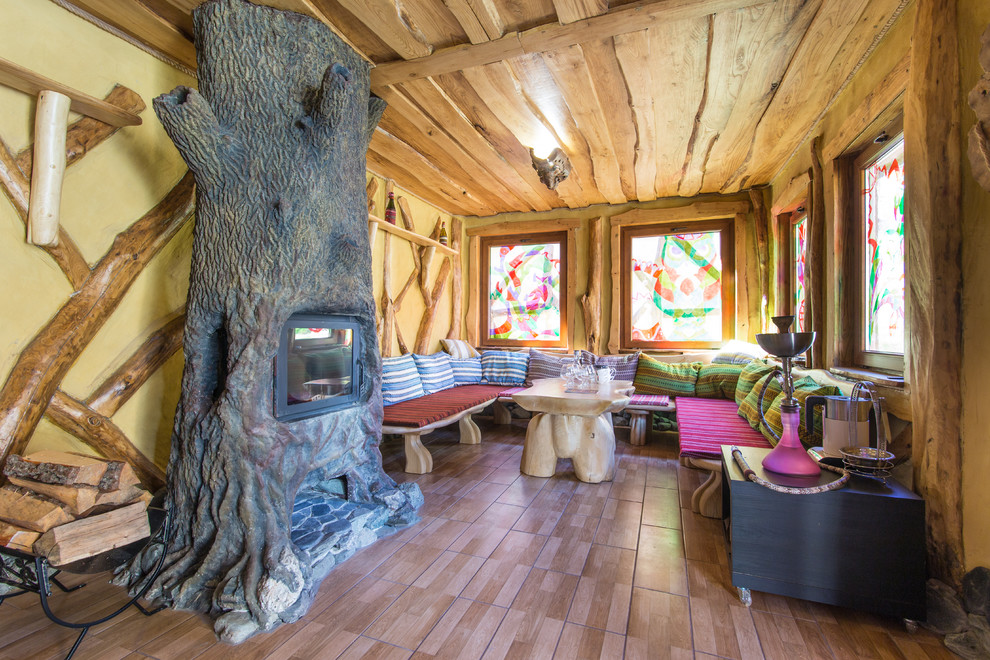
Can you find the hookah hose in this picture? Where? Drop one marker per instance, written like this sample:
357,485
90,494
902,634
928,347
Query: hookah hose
749,474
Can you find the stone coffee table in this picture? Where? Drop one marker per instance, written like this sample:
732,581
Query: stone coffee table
574,425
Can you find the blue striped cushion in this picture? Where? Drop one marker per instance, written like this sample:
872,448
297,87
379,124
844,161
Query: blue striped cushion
434,371
400,380
459,349
504,367
466,371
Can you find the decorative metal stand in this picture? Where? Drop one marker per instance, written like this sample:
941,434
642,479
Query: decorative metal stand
32,574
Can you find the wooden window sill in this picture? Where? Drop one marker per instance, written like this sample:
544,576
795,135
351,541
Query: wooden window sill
875,377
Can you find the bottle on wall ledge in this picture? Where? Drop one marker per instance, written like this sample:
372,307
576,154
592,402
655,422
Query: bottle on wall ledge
390,209
444,240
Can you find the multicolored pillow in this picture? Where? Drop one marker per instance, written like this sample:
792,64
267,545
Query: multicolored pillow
625,365
670,378
504,367
543,365
718,381
466,371
400,380
434,372
802,391
749,407
751,373
459,349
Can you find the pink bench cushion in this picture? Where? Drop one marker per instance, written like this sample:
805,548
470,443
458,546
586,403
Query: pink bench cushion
431,408
649,400
704,425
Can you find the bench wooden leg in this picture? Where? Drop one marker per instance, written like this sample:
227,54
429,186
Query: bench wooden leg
501,414
637,426
470,433
418,459
707,499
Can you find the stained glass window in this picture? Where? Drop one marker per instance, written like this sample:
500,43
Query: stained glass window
524,292
676,288
883,210
799,248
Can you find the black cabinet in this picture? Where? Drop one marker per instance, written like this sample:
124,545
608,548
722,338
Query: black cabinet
861,546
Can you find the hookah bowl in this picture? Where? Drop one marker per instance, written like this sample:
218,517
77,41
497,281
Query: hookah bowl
789,456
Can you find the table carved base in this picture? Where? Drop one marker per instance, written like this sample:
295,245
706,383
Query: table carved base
588,441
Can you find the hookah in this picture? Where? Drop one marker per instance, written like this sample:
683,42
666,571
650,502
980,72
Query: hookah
789,456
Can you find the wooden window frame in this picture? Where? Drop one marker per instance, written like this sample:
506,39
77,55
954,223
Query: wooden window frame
792,219
727,244
563,237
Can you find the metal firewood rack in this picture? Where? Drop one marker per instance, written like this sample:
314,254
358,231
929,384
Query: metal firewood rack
31,573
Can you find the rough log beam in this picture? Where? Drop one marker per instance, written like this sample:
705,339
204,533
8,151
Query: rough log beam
934,281
388,308
762,219
100,433
479,18
118,388
554,36
430,313
456,284
591,302
44,362
816,256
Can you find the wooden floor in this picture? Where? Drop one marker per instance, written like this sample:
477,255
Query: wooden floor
509,566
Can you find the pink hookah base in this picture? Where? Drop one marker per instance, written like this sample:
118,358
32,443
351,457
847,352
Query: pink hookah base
789,456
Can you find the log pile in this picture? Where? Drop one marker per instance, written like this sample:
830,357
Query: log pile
68,506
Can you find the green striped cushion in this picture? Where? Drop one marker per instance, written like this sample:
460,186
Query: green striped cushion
718,381
670,378
802,390
749,407
751,373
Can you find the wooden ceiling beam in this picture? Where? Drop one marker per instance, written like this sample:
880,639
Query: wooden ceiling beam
632,49
309,8
390,21
479,18
629,18
570,11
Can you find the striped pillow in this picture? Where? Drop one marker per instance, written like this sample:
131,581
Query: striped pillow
466,371
459,349
751,373
624,365
749,407
400,380
673,379
802,390
718,381
435,372
504,367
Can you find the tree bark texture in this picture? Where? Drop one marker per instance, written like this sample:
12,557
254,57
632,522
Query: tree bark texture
276,138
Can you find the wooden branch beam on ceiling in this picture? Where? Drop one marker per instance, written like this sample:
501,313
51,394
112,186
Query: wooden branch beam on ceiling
389,20
479,18
696,211
311,9
29,82
570,11
544,38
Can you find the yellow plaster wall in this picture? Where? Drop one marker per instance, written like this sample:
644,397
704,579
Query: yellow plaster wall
425,217
974,17
580,287
103,194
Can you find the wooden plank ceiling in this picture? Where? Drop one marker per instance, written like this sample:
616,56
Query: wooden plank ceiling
649,99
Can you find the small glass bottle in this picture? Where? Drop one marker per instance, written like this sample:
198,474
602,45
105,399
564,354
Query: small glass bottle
390,209
444,240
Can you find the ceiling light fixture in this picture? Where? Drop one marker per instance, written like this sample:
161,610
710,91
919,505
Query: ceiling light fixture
553,169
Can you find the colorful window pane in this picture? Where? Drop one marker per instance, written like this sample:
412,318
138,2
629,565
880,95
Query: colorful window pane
524,292
799,248
883,210
676,287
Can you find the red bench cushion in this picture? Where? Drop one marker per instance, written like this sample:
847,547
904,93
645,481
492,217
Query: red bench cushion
704,425
431,408
649,400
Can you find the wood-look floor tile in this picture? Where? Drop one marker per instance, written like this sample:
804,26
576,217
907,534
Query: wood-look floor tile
580,643
603,593
435,504
468,509
784,605
365,648
439,534
497,582
259,647
186,640
524,636
479,539
720,623
358,608
477,473
407,563
542,515
661,508
92,648
659,626
428,483
523,490
662,473
660,561
409,619
42,643
620,524
704,539
547,594
132,629
455,487
520,547
563,555
463,633
450,573
785,638
504,474
923,650
312,642
501,515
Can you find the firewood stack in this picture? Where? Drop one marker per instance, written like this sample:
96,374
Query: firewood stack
68,506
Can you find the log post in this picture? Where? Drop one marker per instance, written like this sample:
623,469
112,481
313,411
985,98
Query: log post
50,125
456,289
933,227
591,302
762,220
815,275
